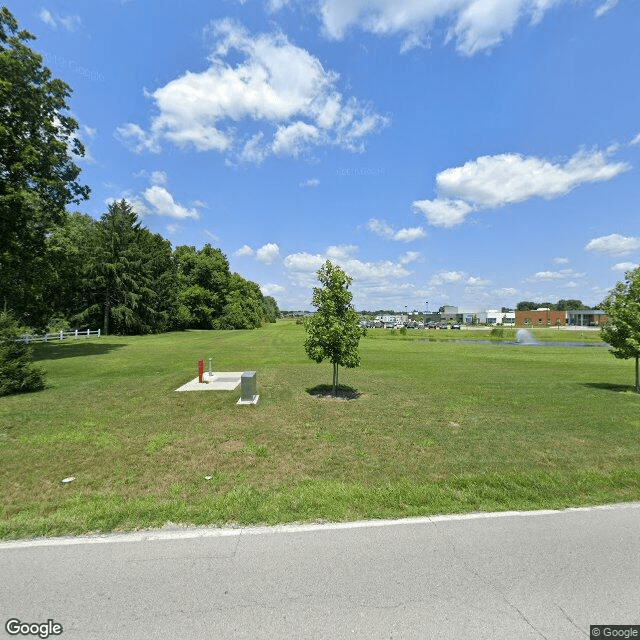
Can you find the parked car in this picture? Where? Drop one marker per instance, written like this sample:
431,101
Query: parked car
455,326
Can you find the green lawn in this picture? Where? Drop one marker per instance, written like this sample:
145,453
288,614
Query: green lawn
439,427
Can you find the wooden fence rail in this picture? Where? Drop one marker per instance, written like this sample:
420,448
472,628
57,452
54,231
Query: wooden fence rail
60,335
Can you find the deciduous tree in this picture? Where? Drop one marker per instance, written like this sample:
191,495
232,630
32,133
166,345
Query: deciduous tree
333,332
38,175
622,330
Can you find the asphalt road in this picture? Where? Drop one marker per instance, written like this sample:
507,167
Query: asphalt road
523,576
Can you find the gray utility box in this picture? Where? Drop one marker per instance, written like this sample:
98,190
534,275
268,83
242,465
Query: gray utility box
248,388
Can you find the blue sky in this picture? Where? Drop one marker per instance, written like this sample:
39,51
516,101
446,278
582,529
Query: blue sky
466,152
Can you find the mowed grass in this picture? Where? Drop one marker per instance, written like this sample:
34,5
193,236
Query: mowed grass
438,427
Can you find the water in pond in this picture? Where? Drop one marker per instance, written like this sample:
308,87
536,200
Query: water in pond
532,343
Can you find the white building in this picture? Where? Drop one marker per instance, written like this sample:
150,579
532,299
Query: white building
392,321
493,316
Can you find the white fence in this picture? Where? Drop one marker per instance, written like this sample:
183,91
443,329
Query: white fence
60,335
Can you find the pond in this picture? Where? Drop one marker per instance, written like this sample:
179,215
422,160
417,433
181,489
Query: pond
524,345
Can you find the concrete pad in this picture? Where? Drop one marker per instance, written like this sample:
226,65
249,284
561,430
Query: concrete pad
217,381
252,400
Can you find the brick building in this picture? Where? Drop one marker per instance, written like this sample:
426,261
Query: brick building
541,318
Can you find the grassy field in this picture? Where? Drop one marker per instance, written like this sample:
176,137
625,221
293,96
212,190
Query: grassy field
438,427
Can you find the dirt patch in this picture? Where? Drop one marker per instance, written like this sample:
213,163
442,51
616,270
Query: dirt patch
342,392
231,446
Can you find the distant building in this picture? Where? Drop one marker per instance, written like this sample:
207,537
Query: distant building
390,321
449,313
572,318
586,317
542,317
493,316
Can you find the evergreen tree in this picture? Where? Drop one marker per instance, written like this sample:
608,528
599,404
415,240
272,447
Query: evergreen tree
159,310
127,267
17,372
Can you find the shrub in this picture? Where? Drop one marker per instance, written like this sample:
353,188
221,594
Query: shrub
17,373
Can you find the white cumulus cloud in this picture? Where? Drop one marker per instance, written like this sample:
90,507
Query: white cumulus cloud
474,25
494,181
164,205
563,274
443,212
625,266
264,82
381,228
369,278
446,277
509,178
272,289
614,244
268,253
244,250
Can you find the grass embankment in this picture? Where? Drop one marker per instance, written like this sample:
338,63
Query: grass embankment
438,428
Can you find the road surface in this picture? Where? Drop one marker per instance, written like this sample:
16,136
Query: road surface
536,575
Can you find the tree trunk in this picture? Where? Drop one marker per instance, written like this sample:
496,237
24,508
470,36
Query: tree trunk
335,378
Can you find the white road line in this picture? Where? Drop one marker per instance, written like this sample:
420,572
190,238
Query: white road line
188,532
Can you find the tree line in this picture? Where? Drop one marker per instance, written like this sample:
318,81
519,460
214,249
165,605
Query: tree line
60,269
115,274
561,305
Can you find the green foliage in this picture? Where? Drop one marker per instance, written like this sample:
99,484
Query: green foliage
561,305
333,332
565,305
38,176
113,272
243,308
622,330
270,309
127,278
211,297
17,373
72,252
502,333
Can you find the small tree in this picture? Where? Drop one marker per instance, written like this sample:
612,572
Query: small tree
17,373
622,330
333,331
